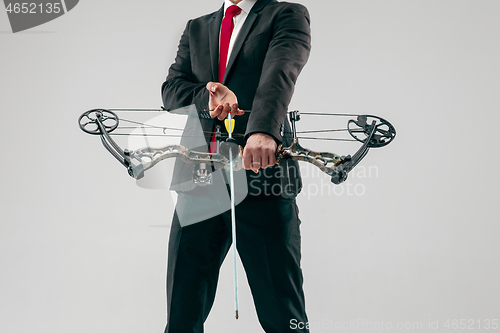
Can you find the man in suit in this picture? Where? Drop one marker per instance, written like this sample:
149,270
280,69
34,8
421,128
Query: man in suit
269,45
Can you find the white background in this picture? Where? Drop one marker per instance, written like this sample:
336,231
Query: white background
83,249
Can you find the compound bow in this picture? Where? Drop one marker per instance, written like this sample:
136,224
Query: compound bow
371,131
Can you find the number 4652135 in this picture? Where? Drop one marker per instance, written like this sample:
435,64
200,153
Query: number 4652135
33,8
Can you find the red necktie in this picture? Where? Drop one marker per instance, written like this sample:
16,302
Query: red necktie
225,37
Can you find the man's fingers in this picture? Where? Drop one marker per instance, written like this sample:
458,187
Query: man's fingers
225,110
256,163
272,158
212,87
235,111
216,112
221,96
222,110
267,156
247,159
256,166
264,160
259,152
251,161
255,159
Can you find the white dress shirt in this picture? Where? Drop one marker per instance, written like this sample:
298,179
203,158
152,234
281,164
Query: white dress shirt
246,6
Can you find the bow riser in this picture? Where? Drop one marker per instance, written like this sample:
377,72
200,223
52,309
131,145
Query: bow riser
325,161
149,157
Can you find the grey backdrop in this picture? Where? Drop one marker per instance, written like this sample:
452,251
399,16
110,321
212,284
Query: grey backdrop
412,239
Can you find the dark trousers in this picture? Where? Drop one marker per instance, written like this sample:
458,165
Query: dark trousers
268,243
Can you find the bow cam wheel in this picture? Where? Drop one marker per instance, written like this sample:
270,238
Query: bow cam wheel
361,128
89,121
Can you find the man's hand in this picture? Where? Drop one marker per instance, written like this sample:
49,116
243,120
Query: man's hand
222,101
259,152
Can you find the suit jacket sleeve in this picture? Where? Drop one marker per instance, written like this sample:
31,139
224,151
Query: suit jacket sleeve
287,54
180,88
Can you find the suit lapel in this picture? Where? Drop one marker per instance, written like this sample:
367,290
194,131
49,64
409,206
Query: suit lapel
242,36
213,40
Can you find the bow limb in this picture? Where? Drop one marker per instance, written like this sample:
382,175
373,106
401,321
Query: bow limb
334,165
134,167
101,122
339,172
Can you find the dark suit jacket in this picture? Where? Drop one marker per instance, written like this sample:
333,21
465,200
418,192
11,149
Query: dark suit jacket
268,55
